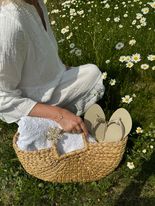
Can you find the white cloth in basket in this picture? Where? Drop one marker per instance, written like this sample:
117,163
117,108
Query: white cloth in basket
32,136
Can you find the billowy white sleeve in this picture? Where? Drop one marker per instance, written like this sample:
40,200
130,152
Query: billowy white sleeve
13,50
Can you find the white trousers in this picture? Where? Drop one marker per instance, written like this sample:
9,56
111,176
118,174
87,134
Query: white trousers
79,88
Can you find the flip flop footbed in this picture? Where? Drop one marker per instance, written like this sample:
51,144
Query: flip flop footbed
125,117
114,133
91,115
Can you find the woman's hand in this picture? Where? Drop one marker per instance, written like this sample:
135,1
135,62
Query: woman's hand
72,123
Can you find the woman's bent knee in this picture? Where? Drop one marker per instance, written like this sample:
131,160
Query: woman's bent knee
92,72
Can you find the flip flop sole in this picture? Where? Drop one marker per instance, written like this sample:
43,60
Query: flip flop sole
125,118
89,118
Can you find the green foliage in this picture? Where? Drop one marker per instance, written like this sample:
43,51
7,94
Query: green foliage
97,38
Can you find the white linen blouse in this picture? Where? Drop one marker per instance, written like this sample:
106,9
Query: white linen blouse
30,67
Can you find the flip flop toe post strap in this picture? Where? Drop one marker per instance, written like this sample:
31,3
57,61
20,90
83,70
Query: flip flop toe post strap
96,123
118,122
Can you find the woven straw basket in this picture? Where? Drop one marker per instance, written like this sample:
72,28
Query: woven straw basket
91,163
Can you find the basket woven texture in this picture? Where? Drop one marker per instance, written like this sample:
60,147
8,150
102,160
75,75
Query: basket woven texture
91,163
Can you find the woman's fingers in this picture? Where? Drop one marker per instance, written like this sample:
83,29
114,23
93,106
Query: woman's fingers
73,131
84,128
73,123
78,129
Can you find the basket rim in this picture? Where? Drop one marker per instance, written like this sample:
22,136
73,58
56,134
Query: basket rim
15,137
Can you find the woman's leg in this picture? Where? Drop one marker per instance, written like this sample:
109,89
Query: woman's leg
79,88
83,102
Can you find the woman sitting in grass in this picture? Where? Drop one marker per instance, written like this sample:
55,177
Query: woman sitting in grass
33,79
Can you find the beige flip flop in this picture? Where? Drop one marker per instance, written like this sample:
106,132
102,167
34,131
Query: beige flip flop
119,125
94,118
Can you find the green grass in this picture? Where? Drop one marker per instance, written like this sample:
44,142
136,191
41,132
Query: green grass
97,38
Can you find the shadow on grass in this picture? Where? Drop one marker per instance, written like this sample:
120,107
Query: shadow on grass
131,194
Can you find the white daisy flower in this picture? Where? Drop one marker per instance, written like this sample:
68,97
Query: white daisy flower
119,45
144,151
107,6
144,66
138,26
65,30
151,146
129,64
116,19
107,61
127,59
122,58
80,12
63,16
142,20
134,22
120,26
107,19
72,12
132,42
136,58
151,57
127,99
153,68
55,11
130,165
112,82
104,75
134,95
139,16
152,4
72,45
52,22
78,52
145,10
139,130
125,15
143,24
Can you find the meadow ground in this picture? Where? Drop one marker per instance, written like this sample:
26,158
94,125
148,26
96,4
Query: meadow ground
119,37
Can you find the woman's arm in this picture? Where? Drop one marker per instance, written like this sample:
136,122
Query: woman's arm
13,50
68,120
